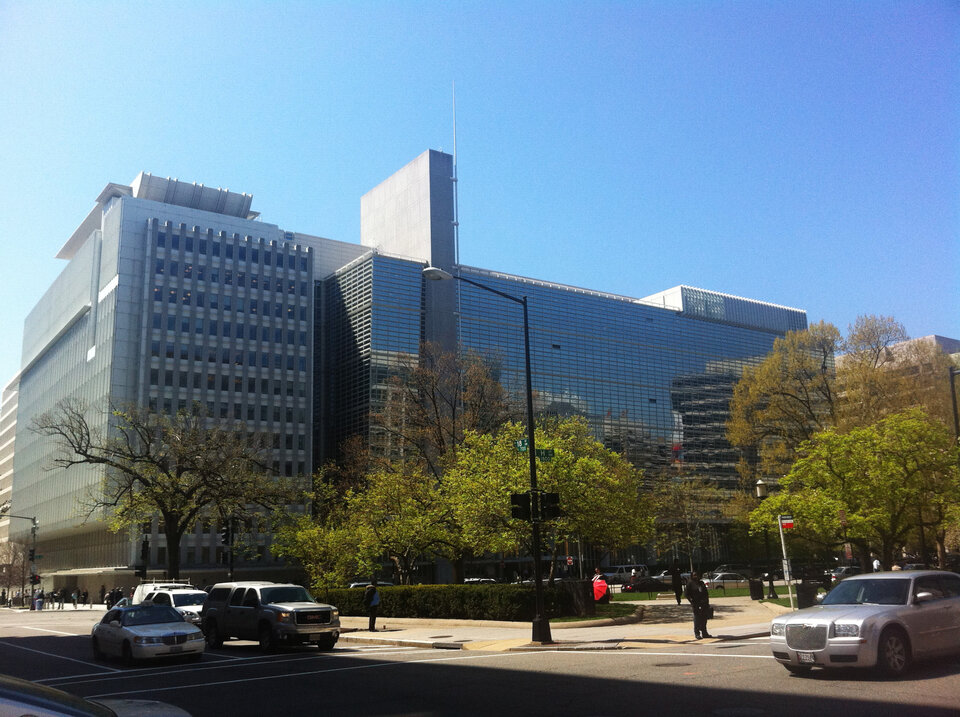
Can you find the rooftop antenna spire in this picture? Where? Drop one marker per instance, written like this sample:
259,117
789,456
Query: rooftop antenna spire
456,211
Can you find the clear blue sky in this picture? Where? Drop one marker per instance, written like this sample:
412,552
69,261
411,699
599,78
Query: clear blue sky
805,154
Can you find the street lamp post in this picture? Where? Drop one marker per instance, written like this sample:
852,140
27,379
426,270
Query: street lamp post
541,626
33,548
762,493
954,371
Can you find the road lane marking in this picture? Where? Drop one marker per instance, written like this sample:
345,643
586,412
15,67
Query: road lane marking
54,632
59,657
473,656
192,669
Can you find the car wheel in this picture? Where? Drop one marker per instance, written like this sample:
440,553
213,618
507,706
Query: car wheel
97,652
797,669
893,654
127,654
326,643
214,638
266,638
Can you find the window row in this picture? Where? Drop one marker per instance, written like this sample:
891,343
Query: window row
229,251
185,297
212,327
237,357
229,277
238,411
262,386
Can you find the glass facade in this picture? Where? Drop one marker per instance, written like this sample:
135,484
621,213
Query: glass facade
170,298
654,382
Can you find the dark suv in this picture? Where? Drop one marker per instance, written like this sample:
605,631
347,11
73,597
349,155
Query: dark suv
271,613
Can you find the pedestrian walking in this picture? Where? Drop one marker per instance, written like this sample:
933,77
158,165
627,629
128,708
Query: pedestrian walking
676,580
85,598
699,598
876,565
103,594
74,596
39,599
61,595
371,598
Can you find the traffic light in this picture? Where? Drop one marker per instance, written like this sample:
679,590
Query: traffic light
226,533
141,571
520,506
550,506
145,550
32,555
34,579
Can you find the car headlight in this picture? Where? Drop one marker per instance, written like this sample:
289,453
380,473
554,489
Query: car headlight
284,617
194,636
777,628
846,629
148,640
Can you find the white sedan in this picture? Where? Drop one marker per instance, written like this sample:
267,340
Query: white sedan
145,631
883,620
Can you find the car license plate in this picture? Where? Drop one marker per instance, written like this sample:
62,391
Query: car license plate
314,637
176,648
805,657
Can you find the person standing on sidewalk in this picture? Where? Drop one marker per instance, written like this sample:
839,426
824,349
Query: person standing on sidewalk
371,599
676,580
699,599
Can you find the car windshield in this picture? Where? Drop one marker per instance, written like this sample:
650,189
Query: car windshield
151,615
181,599
876,592
285,594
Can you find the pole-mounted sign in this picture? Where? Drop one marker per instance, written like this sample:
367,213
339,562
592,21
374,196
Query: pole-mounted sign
786,522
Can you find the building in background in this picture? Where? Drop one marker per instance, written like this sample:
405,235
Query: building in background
175,293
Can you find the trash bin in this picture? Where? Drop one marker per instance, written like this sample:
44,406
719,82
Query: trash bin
807,593
756,589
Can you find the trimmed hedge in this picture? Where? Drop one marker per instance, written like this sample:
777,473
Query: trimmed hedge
467,602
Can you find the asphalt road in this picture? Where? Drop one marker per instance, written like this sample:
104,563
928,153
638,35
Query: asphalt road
726,679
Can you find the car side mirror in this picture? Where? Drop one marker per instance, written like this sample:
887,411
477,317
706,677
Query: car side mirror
923,597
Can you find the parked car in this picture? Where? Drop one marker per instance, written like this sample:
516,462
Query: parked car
667,579
883,620
645,585
479,581
364,583
726,580
143,589
187,602
271,613
844,571
618,574
22,697
145,631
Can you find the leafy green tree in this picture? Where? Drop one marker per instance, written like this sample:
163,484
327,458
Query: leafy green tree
880,477
176,467
784,401
600,493
400,512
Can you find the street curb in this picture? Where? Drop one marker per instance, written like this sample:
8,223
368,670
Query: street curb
551,647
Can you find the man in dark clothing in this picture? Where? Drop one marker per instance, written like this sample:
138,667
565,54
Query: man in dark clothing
676,579
699,599
371,598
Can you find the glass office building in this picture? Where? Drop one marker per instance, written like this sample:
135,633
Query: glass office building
175,294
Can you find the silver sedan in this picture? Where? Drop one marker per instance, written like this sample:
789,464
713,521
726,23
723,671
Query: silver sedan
144,631
882,620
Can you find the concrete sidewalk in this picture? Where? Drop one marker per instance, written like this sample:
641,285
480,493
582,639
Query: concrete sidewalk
656,623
